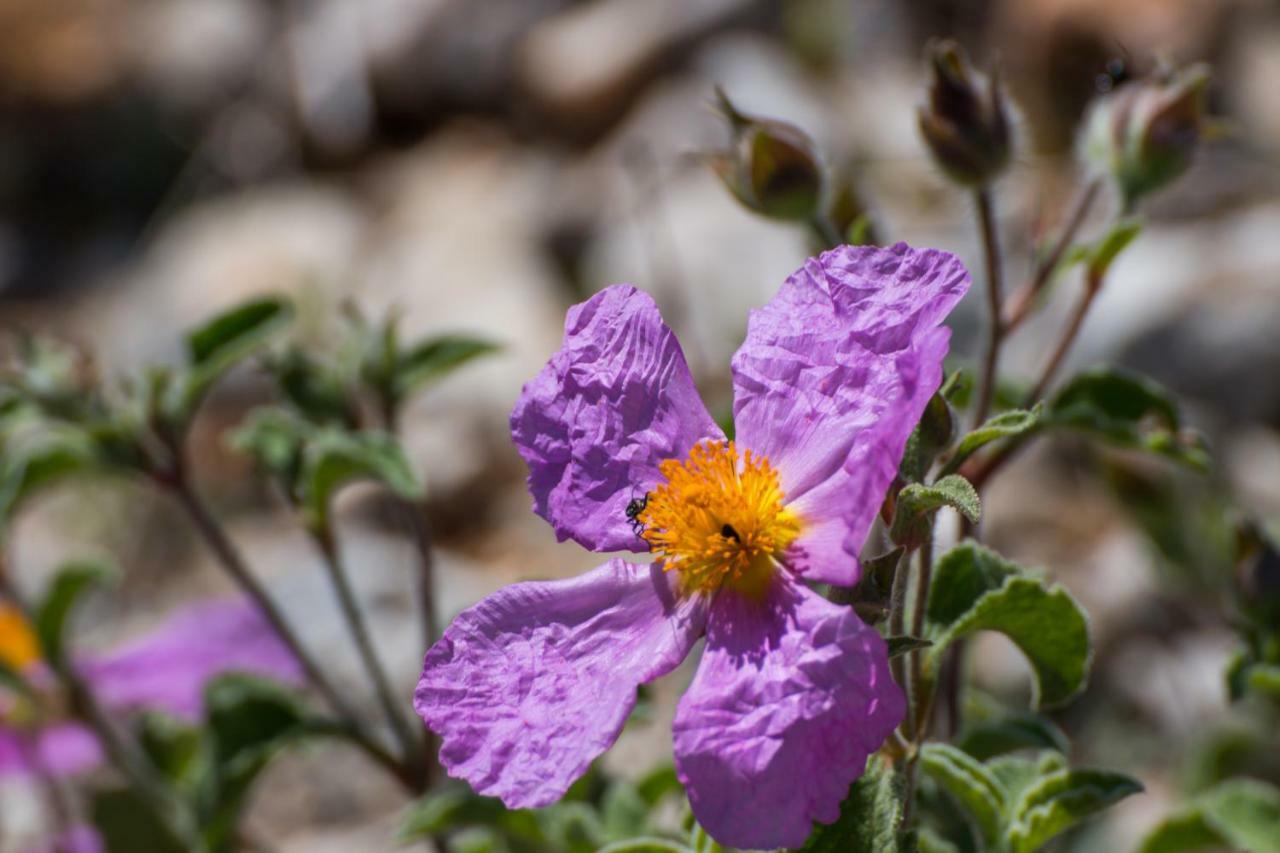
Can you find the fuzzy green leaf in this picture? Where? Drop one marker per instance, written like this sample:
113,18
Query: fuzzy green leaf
436,357
1009,733
970,783
127,823
1010,424
870,817
1104,252
218,345
249,719
62,595
1057,802
901,645
1243,814
334,458
975,589
917,502
1127,410
28,466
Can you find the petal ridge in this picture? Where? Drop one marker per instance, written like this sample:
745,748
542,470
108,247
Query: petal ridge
530,685
611,404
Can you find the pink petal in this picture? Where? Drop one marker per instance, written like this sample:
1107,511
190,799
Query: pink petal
833,376
531,684
616,400
792,695
62,749
167,668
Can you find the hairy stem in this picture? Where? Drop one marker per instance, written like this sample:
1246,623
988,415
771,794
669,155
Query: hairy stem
1019,307
359,630
897,627
995,289
1069,335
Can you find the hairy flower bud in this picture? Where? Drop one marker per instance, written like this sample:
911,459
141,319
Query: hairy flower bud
1145,133
772,167
965,120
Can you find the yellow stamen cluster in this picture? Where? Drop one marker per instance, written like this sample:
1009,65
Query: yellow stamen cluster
719,519
19,647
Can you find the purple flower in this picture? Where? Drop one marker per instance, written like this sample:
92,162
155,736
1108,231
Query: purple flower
163,670
793,692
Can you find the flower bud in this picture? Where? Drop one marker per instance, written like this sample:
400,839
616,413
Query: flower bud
771,167
1258,577
1146,132
965,121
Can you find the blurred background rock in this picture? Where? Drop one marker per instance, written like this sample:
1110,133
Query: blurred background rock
480,165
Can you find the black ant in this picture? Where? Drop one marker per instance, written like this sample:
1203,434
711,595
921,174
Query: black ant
728,532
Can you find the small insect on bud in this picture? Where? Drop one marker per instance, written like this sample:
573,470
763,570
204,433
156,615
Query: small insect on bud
965,121
1145,133
771,167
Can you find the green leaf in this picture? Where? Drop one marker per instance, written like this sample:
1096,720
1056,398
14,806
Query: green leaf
478,839
229,331
1243,814
659,783
700,841
1103,253
1016,773
215,347
249,719
334,458
62,595
929,438
918,502
30,465
1010,424
446,810
870,598
573,827
434,358
1057,802
1010,733
176,749
1184,832
901,645
975,589
623,811
969,782
274,438
932,842
645,845
870,817
1264,679
128,824
1127,410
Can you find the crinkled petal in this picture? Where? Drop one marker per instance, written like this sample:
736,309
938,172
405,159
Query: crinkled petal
526,688
792,695
62,749
616,400
834,374
167,668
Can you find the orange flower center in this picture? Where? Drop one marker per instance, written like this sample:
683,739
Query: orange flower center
719,520
19,647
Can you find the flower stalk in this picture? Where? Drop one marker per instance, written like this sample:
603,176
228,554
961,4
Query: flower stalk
178,484
359,630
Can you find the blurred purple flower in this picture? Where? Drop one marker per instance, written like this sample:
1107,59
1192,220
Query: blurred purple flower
164,670
793,692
